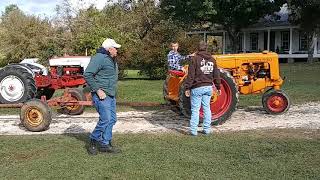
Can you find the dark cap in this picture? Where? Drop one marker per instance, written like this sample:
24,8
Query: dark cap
202,46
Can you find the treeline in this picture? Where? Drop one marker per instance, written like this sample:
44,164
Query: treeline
145,28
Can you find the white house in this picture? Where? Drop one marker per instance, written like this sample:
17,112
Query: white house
289,41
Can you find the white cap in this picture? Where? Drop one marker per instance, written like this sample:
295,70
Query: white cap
108,43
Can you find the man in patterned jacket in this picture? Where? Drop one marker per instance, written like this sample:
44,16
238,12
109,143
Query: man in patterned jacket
175,59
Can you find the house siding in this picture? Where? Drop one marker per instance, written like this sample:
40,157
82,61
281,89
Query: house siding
295,41
260,41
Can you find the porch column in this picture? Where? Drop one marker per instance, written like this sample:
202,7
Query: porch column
315,49
290,46
224,43
205,37
244,42
268,40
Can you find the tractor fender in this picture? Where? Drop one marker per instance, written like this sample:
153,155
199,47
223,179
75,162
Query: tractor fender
34,66
22,66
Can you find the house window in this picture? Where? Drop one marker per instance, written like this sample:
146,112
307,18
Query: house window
285,40
303,41
254,41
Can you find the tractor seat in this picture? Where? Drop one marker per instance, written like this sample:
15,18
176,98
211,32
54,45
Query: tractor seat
176,73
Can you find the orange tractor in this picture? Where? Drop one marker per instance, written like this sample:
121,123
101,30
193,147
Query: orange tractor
248,73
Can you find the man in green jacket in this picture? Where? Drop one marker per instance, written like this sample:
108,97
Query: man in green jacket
102,76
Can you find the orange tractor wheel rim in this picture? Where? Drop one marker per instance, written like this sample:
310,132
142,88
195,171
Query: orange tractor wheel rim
277,103
72,107
34,116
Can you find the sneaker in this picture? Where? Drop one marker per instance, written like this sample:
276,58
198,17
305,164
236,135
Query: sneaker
206,132
109,149
92,148
193,133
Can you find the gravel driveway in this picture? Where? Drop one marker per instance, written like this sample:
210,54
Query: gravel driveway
299,116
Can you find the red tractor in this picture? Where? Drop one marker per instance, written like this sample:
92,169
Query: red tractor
28,79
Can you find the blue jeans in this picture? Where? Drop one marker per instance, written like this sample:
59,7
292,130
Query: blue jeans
107,119
200,95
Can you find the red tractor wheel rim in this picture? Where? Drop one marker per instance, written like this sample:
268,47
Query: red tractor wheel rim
277,103
223,103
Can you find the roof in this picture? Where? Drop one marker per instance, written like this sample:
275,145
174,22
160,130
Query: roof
270,24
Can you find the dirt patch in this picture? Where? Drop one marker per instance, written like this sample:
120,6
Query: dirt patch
300,116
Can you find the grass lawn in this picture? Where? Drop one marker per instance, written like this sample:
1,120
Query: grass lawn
302,84
277,154
134,74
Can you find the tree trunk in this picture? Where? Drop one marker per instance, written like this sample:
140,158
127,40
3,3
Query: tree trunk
311,48
234,40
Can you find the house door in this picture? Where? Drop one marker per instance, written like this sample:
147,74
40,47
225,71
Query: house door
272,41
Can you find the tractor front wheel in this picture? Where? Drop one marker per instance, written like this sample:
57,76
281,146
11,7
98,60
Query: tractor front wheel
76,95
275,102
35,115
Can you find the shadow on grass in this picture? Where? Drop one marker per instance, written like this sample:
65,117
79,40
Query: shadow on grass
78,133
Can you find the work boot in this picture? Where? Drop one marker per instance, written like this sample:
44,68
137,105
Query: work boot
92,148
109,149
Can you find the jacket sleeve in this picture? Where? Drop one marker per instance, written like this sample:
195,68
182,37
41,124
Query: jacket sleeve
184,58
216,75
89,75
191,74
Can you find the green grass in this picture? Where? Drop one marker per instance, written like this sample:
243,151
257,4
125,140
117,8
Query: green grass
140,91
134,74
302,83
281,154
136,88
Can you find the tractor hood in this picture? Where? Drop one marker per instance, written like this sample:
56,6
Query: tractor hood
82,61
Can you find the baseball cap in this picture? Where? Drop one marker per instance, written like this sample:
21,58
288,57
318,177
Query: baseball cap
108,43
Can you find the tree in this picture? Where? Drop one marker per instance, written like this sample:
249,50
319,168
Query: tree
231,15
10,8
306,13
24,36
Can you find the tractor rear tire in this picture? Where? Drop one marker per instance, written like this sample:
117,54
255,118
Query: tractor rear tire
17,85
77,95
275,102
48,92
35,115
228,100
184,101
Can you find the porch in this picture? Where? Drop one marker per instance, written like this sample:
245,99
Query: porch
287,40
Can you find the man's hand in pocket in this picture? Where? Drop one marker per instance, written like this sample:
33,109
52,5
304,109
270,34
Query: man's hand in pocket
101,94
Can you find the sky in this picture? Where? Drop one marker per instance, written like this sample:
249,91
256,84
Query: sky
47,7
